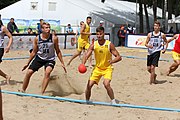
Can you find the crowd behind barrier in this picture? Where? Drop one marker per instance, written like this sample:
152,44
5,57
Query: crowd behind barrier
25,41
24,24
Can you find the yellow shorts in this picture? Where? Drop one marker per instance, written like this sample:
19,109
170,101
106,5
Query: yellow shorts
83,46
98,73
175,55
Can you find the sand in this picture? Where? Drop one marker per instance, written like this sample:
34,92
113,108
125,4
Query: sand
130,84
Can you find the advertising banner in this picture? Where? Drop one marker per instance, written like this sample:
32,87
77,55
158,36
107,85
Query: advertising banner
138,41
23,24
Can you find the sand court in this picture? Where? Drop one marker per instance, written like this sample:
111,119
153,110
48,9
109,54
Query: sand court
130,83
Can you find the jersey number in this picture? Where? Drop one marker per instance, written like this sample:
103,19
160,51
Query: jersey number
45,48
155,44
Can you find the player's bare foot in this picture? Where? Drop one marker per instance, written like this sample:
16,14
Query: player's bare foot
155,77
8,79
153,81
23,91
150,82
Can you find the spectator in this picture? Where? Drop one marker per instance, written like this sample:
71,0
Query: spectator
130,29
101,23
30,42
12,26
39,26
69,29
171,30
29,31
121,35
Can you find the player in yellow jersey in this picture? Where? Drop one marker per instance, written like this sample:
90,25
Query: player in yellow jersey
103,51
83,39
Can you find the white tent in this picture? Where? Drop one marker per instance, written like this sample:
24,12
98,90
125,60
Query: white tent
175,20
37,9
112,12
175,23
74,11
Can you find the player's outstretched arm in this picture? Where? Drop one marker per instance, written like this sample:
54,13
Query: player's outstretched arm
33,53
115,53
58,52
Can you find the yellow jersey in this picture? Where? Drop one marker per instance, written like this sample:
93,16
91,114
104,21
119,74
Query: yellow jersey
102,55
84,38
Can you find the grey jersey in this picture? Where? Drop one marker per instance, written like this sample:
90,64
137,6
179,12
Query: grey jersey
156,42
46,48
1,38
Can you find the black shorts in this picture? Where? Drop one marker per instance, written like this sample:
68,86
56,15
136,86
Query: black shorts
38,63
153,59
1,54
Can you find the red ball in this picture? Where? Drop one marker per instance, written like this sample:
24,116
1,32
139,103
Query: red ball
82,68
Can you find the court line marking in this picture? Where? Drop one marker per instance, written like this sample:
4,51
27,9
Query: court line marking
64,55
91,102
